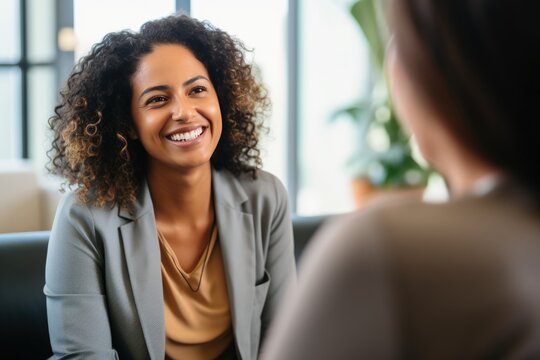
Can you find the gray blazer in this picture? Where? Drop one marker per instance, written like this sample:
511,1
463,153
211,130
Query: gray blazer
407,280
103,277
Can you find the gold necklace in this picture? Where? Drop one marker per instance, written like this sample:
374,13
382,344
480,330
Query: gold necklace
206,254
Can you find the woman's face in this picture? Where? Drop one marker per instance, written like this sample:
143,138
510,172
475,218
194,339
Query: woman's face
175,108
411,108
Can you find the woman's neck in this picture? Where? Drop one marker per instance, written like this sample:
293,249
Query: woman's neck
465,171
181,196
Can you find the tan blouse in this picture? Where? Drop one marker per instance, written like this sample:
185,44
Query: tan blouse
197,318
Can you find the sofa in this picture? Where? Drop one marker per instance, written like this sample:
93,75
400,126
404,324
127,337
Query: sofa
23,318
29,197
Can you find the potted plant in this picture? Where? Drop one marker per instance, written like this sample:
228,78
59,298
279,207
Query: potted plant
384,157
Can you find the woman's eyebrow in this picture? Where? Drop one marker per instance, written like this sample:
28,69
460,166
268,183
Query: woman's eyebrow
193,79
155,88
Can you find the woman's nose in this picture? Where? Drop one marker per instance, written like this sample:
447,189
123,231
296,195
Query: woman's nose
182,110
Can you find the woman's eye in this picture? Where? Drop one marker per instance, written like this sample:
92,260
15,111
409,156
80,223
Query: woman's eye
156,99
198,90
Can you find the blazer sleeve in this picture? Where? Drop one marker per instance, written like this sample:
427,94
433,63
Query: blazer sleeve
342,308
74,287
280,263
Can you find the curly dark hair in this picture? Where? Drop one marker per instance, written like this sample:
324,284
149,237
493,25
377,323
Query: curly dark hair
91,147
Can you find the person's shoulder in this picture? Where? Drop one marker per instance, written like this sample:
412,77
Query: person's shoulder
460,219
72,206
70,201
364,239
71,213
380,214
263,184
398,220
262,177
415,232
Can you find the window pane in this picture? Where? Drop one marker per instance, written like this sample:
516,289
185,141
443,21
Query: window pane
9,31
269,55
41,30
333,75
41,101
113,16
10,113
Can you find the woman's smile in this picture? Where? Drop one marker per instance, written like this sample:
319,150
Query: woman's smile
187,136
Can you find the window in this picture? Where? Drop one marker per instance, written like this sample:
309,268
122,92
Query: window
88,31
262,27
10,111
333,73
27,76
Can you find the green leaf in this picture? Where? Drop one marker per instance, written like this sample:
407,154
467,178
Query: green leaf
389,167
366,14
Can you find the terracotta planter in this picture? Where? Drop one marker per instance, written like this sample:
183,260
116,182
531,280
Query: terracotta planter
364,192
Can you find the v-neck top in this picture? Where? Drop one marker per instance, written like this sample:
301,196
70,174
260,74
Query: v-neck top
197,319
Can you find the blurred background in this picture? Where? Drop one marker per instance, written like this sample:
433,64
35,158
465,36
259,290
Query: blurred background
331,121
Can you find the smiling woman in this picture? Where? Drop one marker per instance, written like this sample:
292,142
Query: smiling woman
171,83
168,244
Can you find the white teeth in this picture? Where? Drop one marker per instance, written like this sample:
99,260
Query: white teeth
187,136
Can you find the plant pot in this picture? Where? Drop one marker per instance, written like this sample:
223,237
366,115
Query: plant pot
365,192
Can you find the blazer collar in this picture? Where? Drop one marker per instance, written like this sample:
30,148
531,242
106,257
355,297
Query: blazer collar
227,189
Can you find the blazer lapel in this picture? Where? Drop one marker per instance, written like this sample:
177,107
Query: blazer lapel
142,256
237,240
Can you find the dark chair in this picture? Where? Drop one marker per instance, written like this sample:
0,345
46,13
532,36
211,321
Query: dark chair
23,315
304,227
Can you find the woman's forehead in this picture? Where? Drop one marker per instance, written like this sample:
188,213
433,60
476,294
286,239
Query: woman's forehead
168,62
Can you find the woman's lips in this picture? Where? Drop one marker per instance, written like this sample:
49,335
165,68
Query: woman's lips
187,135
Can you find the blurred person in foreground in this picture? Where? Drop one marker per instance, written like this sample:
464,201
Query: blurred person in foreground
174,244
458,280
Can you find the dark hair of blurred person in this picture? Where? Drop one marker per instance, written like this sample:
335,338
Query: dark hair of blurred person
476,64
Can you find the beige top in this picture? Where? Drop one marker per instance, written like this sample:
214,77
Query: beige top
197,316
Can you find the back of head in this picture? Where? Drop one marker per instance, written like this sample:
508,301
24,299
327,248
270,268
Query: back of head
477,62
